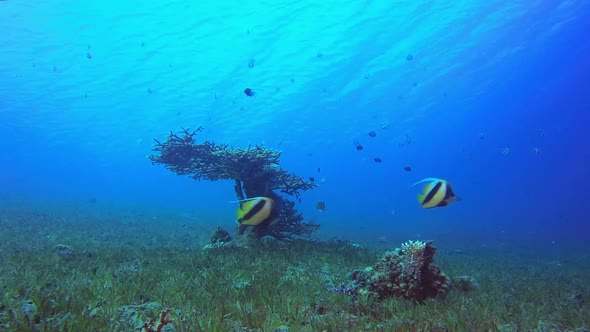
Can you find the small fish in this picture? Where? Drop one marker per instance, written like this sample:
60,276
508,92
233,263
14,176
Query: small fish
505,151
378,160
410,57
408,169
89,55
318,169
359,147
320,206
312,179
437,193
372,134
251,63
249,92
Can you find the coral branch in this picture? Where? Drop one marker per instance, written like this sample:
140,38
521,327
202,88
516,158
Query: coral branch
211,161
164,320
255,171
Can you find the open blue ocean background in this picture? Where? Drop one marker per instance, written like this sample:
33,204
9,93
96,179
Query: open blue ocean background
492,96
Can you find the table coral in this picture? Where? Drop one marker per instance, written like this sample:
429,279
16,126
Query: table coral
255,171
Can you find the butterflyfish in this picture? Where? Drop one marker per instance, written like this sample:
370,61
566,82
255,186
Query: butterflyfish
254,211
437,193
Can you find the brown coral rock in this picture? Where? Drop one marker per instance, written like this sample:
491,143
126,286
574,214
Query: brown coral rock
406,272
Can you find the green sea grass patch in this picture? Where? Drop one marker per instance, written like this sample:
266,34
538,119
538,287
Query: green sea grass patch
67,272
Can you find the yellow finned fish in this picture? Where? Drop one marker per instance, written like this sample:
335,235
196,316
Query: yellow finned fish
254,211
437,193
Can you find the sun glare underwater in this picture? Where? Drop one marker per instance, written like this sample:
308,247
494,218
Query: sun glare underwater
330,133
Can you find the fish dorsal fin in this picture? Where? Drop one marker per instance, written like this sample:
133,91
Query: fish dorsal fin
424,180
244,200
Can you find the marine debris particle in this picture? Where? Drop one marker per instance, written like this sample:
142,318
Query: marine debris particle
372,134
251,63
149,90
407,141
311,179
410,57
249,92
378,160
359,147
408,169
88,55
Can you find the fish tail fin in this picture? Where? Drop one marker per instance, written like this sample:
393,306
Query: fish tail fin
424,180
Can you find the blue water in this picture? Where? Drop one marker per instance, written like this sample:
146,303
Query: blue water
86,86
